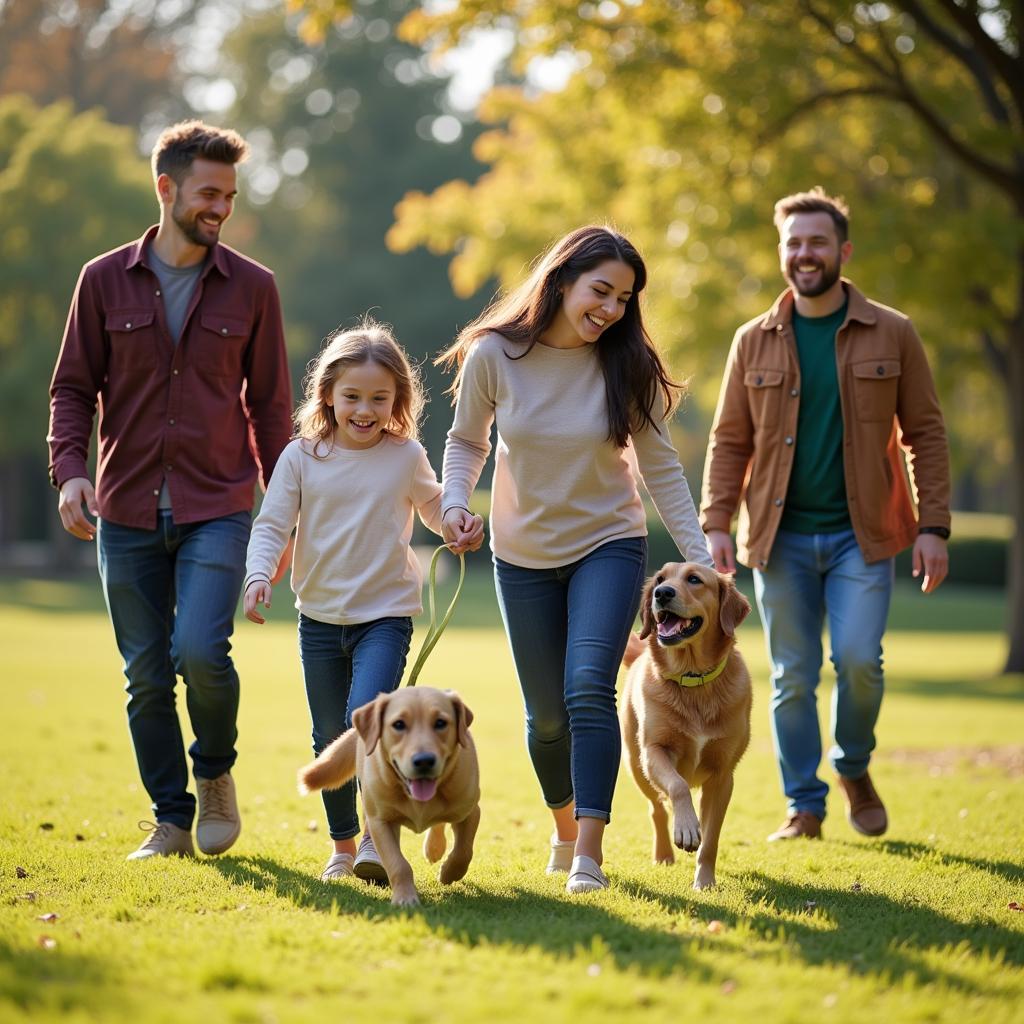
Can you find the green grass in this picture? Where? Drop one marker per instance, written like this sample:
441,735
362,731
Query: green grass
915,927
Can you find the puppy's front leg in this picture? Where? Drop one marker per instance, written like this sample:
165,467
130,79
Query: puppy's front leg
385,835
457,863
434,844
659,766
714,799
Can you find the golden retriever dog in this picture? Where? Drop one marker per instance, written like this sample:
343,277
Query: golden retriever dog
417,767
685,711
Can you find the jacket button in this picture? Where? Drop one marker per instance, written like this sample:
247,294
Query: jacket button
794,393
789,440
761,563
880,370
759,381
778,502
128,326
224,330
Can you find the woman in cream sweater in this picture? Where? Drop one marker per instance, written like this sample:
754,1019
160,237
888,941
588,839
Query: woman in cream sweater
565,369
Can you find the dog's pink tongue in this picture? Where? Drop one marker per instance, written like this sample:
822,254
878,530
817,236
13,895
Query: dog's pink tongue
422,789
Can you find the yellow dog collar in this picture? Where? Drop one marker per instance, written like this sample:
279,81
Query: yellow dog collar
691,679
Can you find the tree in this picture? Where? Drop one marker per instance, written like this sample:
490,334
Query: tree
71,187
683,122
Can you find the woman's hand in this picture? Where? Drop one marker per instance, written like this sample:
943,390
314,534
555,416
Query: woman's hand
258,591
462,530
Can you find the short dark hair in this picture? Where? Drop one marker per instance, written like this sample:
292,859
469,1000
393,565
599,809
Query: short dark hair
815,201
184,142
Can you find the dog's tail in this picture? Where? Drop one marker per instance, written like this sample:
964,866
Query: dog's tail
333,768
634,648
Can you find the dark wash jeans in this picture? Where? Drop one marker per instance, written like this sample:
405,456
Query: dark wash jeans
345,667
171,593
567,628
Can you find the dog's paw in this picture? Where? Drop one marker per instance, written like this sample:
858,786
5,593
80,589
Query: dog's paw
452,870
434,844
405,898
704,878
686,835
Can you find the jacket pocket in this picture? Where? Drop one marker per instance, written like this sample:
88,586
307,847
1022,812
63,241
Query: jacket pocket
133,342
219,343
876,389
764,395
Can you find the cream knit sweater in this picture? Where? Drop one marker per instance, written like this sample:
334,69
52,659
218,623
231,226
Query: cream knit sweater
354,510
561,488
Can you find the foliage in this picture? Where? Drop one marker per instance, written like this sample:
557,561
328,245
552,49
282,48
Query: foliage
71,187
914,927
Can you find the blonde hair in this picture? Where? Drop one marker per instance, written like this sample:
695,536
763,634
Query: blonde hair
370,342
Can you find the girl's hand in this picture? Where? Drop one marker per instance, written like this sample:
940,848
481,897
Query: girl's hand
258,591
462,530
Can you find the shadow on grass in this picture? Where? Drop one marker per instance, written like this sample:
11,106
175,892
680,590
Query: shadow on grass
1005,869
43,982
862,931
1008,688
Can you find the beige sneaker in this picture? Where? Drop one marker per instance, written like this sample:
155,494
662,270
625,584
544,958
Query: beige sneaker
164,840
339,866
219,823
562,853
367,864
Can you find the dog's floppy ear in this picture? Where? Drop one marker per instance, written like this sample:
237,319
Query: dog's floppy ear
369,720
463,718
646,615
733,607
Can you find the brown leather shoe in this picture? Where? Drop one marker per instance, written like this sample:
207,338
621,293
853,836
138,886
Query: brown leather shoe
864,808
799,823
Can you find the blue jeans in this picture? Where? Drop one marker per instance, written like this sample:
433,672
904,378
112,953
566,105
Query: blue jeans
171,593
567,628
345,667
808,577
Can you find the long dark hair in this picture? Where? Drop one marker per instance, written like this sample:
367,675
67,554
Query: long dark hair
633,371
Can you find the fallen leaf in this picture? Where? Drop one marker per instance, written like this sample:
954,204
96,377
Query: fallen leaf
79,837
46,826
21,872
30,896
810,905
1014,905
313,825
715,927
856,887
594,970
47,942
48,918
728,987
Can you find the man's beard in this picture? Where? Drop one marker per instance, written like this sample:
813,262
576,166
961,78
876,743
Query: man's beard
191,229
829,276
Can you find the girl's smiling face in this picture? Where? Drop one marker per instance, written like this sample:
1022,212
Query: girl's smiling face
591,304
363,397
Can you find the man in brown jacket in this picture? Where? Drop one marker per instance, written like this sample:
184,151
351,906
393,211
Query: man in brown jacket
820,395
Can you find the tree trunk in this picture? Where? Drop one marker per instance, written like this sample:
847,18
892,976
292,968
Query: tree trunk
1015,575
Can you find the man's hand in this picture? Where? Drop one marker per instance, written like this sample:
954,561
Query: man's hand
462,530
931,558
285,563
257,592
73,494
722,551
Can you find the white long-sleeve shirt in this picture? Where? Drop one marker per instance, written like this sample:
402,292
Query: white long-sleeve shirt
561,486
354,509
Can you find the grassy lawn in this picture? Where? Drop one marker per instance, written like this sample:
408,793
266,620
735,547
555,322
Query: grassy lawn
915,927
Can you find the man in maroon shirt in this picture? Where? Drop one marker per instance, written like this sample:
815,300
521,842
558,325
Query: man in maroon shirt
178,339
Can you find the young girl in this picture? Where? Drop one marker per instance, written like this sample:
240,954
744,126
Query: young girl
350,479
565,369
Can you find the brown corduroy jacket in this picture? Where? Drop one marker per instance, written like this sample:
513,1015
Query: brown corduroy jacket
889,406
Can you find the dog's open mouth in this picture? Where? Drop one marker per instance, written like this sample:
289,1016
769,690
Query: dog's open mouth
420,789
673,629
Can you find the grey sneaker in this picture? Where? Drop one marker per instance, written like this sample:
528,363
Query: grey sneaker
368,865
585,876
164,840
219,823
339,866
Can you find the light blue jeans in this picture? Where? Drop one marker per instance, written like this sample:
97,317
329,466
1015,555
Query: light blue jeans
809,577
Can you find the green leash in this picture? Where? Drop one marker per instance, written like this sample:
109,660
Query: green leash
435,630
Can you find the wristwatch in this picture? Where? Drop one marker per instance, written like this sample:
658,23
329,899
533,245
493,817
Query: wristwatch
939,531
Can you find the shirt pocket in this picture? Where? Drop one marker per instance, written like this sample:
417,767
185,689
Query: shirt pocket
876,389
133,341
219,344
764,395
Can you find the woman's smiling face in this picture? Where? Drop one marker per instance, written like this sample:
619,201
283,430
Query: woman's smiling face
591,304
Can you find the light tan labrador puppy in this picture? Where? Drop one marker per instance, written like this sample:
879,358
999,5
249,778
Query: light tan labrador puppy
417,767
685,711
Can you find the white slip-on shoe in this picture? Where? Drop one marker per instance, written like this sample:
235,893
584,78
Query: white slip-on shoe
218,823
164,840
560,860
585,876
368,865
339,866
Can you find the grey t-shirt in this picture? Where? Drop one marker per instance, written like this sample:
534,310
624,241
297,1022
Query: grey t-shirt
176,287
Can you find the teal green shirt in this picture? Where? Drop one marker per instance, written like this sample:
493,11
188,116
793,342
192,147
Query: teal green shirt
816,499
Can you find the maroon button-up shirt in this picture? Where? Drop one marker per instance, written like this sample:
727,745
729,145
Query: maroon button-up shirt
206,414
